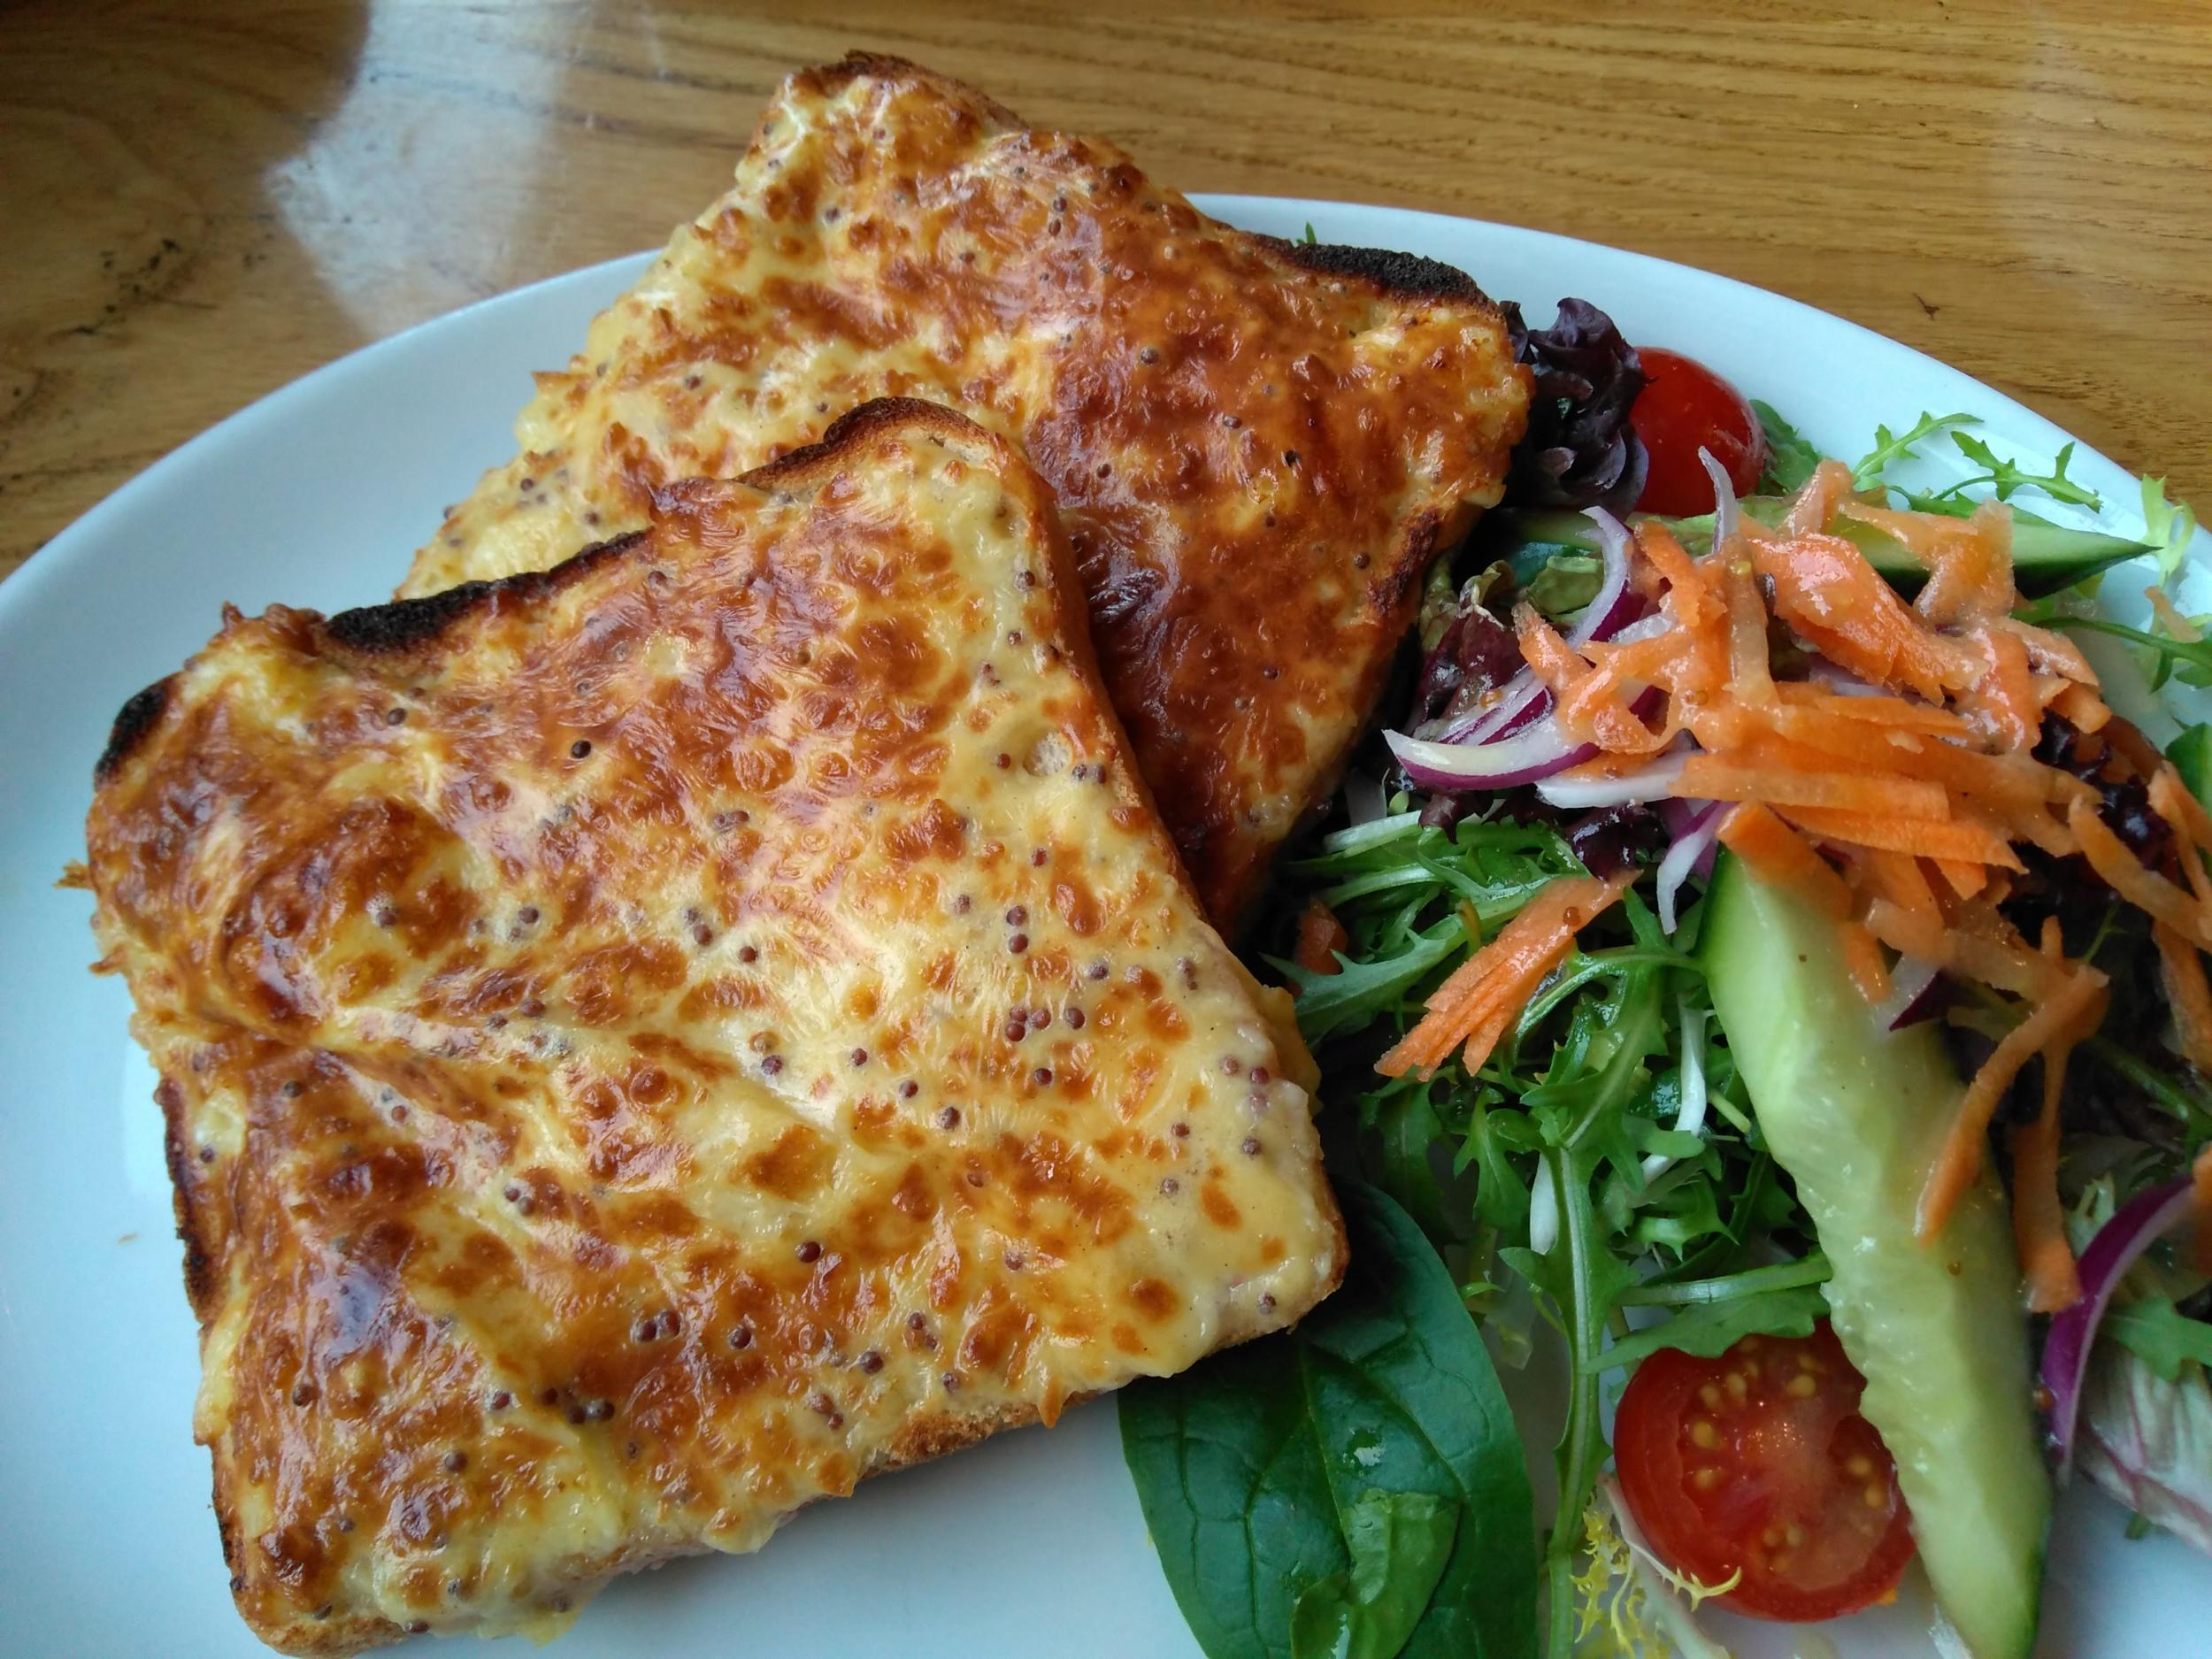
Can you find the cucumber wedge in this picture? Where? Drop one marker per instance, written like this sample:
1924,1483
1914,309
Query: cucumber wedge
1855,1114
2046,557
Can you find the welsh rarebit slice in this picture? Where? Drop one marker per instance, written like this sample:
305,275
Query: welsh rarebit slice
1257,446
648,1044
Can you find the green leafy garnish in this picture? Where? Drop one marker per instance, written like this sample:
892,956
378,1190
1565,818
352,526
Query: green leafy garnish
1711,1328
1892,447
1790,458
2168,525
1282,1481
1352,996
1999,476
1310,238
1567,583
2003,478
1581,1281
1630,1605
2160,1336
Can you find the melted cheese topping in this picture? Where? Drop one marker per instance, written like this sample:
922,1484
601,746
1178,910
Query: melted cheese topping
648,1045
1257,448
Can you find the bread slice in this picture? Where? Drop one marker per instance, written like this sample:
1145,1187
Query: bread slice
1257,445
650,1044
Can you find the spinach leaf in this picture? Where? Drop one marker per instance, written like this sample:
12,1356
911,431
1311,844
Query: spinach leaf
1399,1542
1252,1470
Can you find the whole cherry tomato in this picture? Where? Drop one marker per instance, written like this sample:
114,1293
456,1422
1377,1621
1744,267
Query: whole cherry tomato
1685,406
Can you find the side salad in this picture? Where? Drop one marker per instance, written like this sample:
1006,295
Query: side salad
1756,966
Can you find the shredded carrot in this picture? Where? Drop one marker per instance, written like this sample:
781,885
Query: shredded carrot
1966,879
1711,778
1555,662
1750,678
2124,874
2174,801
1686,598
1815,504
1875,710
1969,560
2006,963
2082,709
2003,695
1962,838
1585,699
1489,1031
1899,877
1863,957
2050,653
2187,993
2017,783
1781,855
1320,936
1827,591
1871,751
1490,988
2169,617
1637,659
2038,1219
1909,933
2069,1014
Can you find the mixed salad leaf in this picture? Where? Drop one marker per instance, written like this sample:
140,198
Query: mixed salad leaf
1598,1179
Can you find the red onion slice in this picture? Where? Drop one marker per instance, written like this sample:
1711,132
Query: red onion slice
1538,752
1524,698
1726,524
1654,782
1696,833
1915,993
1616,604
2141,1222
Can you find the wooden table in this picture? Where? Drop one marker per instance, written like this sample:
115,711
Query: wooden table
199,203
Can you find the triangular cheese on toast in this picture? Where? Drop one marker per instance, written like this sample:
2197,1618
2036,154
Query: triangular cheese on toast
648,1044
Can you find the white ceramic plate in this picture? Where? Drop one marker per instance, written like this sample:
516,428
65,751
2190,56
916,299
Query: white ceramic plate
316,495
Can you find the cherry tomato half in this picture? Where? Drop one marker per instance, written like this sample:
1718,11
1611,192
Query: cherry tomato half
1685,406
1760,1460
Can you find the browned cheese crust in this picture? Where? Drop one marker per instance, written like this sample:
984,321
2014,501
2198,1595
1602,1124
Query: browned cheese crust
647,1044
1257,446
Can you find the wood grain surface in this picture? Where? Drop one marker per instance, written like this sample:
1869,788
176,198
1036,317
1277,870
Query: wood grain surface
199,203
